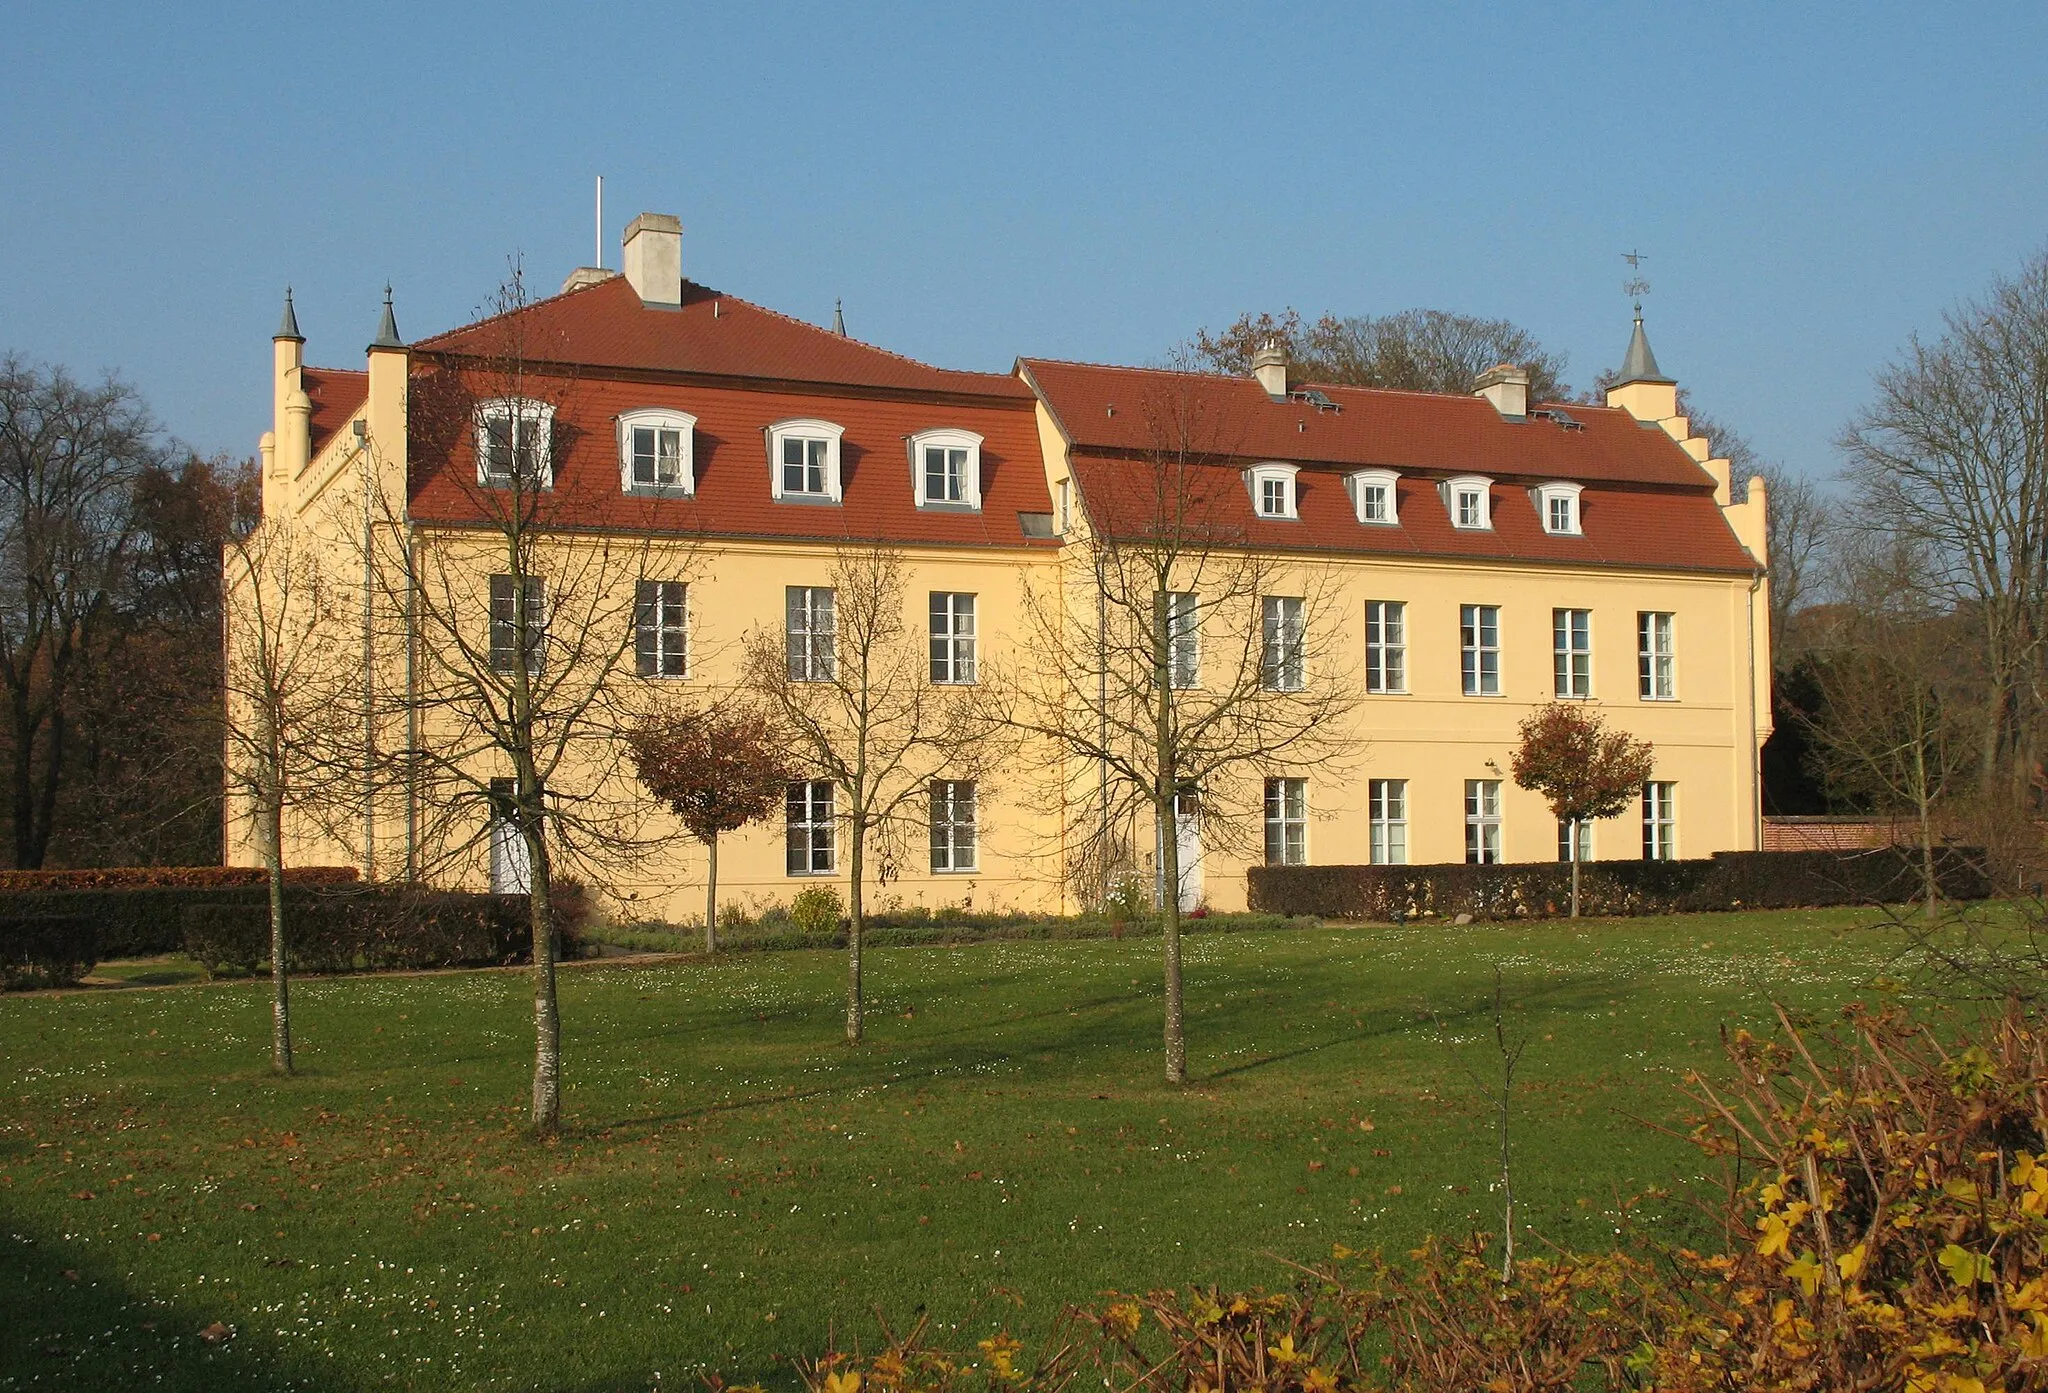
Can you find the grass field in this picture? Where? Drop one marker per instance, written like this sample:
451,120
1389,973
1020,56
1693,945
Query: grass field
736,1183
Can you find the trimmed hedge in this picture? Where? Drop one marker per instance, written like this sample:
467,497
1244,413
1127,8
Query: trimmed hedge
46,950
1543,889
169,877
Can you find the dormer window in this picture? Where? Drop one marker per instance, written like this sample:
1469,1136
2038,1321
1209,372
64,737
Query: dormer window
1372,494
1469,500
514,436
1273,489
1558,506
945,468
655,454
803,461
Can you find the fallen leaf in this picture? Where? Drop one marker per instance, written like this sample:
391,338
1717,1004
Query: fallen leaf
215,1333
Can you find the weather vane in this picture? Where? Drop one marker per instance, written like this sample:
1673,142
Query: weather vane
1636,287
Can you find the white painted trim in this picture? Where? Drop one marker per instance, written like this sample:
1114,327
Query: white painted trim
805,428
685,484
1543,493
1256,476
1357,480
950,438
540,414
1465,483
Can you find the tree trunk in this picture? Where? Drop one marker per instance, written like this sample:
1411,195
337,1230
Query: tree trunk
853,928
1930,883
1573,833
1169,919
280,979
547,1020
711,893
46,810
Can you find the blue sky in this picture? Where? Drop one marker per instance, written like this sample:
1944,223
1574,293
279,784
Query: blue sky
1812,184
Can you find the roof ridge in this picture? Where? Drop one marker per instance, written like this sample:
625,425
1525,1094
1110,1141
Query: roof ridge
351,372
848,338
521,309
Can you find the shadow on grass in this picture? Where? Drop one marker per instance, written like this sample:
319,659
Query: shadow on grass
72,1322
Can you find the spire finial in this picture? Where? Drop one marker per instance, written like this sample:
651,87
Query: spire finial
387,328
288,327
838,318
1635,287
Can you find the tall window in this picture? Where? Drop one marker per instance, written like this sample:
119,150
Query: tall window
1386,646
953,844
660,617
1572,644
952,637
1183,639
1287,822
513,439
1660,822
1482,822
1387,811
813,627
804,460
1281,659
517,629
1564,840
809,813
1479,640
1656,663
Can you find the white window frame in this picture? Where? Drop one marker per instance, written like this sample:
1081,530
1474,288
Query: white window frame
1564,840
1287,822
1476,676
661,610
1571,665
1063,506
809,809
1656,655
1386,647
1362,483
504,657
956,838
1482,822
1559,501
812,647
953,653
1660,820
1282,476
1386,802
1456,490
1183,612
659,418
1283,643
947,439
522,412
804,428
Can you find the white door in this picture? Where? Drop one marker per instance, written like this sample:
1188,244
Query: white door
1187,836
511,866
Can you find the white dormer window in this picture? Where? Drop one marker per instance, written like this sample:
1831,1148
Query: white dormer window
1469,500
514,437
1372,494
945,468
655,451
1558,506
1273,489
803,461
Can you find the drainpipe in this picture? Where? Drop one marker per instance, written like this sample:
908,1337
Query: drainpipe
369,673
1102,720
1756,753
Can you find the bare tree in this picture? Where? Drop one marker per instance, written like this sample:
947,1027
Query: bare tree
1412,351
1177,668
1583,770
874,708
1801,527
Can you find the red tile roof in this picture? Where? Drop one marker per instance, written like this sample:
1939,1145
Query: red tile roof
335,394
605,325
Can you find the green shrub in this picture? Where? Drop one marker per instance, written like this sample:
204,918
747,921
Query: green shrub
815,910
46,950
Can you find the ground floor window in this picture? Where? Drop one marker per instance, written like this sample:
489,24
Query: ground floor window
1387,806
1564,840
1287,822
1660,822
1482,822
511,863
810,827
953,841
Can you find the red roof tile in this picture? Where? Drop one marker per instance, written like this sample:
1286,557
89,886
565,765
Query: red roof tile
335,394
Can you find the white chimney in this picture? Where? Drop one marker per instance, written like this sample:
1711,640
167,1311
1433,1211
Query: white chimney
654,258
1507,387
1269,366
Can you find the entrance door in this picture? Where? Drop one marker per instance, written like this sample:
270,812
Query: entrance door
1187,835
511,865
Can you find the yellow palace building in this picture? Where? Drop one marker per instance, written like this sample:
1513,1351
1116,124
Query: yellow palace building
1484,554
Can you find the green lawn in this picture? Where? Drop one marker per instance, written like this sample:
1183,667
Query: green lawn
736,1183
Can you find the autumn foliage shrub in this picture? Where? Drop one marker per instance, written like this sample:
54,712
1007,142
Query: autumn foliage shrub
371,928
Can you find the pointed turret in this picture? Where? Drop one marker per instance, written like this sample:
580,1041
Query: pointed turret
1639,364
1644,391
288,327
838,319
387,328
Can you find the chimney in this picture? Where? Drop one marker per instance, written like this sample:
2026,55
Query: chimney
1507,387
654,259
1269,366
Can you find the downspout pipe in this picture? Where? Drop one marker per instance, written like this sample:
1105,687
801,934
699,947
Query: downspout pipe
1756,752
369,658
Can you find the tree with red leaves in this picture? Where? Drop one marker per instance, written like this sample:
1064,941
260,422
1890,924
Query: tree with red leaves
1583,769
718,770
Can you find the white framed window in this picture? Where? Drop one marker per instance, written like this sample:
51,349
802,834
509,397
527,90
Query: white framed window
1183,639
1281,657
1660,822
511,864
1482,822
661,629
808,817
1063,507
1272,488
813,628
515,442
1571,644
803,461
1387,812
519,623
1558,505
1469,500
954,848
952,637
1564,839
1479,649
656,451
1287,822
1372,495
945,466
1386,646
1656,656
